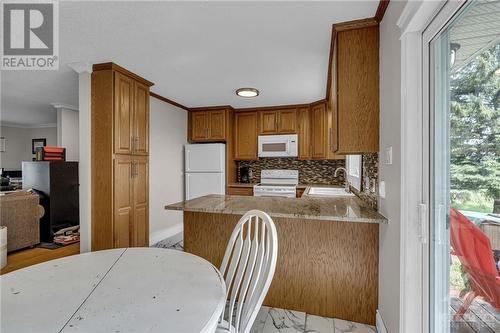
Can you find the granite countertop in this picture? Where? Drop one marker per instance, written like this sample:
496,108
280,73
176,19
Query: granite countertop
346,209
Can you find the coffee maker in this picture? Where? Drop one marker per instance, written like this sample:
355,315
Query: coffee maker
245,174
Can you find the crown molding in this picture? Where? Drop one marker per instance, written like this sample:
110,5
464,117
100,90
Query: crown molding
115,67
382,7
16,125
169,101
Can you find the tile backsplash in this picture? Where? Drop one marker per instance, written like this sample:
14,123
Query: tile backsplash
370,171
310,172
319,172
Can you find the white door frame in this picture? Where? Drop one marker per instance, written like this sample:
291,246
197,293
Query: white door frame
417,17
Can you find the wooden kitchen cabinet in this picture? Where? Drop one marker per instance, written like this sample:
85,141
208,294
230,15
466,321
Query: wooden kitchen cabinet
124,114
319,130
245,133
268,122
217,124
239,190
131,116
120,155
140,189
304,132
123,197
322,133
278,121
131,201
207,125
199,125
141,119
354,90
287,121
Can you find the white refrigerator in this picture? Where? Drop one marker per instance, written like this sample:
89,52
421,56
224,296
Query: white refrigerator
204,169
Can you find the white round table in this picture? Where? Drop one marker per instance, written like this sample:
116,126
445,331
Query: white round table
120,290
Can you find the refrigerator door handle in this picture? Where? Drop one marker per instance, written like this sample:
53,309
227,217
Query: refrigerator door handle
187,196
187,160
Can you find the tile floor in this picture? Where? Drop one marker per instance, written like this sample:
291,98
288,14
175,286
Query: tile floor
274,320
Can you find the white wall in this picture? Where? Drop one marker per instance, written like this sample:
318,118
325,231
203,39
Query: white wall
168,134
390,135
84,71
18,144
68,133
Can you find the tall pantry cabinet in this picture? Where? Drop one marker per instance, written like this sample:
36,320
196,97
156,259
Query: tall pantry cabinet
120,158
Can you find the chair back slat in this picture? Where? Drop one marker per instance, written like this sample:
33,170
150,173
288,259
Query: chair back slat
249,272
248,268
236,283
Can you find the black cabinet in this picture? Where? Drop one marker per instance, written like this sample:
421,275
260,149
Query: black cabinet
57,185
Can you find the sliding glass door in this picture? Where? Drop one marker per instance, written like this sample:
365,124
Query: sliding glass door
464,171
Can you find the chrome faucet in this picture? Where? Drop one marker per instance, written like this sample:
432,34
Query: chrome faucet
346,183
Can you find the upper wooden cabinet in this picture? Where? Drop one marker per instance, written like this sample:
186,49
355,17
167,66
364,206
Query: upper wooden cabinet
304,132
141,120
322,133
287,121
123,114
268,122
131,116
207,125
199,125
354,90
278,121
245,135
319,135
217,124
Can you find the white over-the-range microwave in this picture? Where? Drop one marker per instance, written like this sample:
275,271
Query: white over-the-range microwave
278,145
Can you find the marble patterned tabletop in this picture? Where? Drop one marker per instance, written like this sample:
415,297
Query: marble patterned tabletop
346,209
120,290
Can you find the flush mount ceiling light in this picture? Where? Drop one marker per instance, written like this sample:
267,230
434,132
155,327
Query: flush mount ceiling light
247,92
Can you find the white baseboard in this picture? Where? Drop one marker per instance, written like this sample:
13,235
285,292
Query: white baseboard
380,323
162,234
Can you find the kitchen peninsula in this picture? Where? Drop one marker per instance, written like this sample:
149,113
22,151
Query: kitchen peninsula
327,249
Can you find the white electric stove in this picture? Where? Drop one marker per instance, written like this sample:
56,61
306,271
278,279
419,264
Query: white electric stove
277,183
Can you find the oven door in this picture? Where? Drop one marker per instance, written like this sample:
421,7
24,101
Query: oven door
278,145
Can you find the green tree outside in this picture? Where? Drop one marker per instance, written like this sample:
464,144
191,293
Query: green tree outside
475,130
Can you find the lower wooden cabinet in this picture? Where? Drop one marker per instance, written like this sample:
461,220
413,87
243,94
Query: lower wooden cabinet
129,225
123,201
238,190
140,187
300,191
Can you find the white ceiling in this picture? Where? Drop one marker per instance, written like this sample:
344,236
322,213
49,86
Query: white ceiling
196,53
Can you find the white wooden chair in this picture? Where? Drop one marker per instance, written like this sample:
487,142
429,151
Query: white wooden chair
248,269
